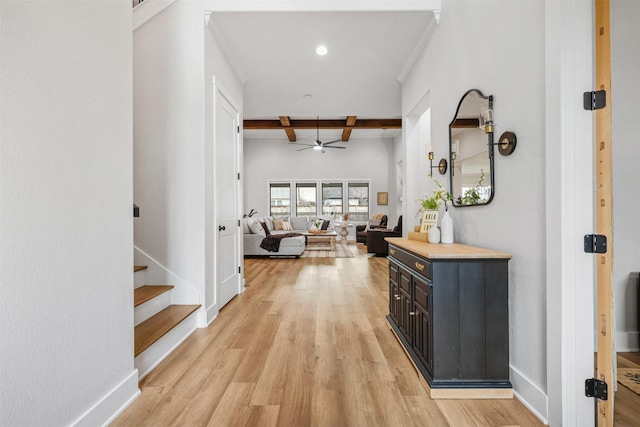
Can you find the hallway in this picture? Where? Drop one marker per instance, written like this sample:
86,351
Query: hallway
307,343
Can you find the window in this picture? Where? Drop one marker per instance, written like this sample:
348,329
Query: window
331,198
306,200
280,200
358,202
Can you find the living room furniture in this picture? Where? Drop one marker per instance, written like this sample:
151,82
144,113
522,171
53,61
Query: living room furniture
448,307
376,243
321,241
289,246
376,221
344,231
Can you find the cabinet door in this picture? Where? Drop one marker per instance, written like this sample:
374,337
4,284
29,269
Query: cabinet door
394,292
422,332
405,308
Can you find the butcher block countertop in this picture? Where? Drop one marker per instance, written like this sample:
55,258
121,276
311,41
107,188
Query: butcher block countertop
445,250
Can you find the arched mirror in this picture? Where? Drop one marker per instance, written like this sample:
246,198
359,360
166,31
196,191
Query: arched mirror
471,150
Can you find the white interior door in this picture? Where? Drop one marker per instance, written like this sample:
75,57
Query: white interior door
226,149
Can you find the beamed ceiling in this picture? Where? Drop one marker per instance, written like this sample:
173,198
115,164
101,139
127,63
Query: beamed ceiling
355,89
289,126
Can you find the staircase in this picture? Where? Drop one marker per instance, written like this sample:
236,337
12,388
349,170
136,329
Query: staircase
160,326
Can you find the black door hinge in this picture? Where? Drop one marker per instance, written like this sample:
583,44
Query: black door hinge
238,176
238,129
595,244
595,100
596,388
238,270
136,211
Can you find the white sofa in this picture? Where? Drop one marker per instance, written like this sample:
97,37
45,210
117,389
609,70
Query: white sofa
253,234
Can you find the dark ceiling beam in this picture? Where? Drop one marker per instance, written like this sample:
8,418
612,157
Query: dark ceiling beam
286,124
324,124
346,132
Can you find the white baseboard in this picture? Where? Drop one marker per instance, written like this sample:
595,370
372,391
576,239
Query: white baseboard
627,341
211,314
111,405
529,394
151,357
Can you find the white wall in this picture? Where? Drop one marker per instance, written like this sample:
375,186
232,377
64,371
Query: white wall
511,69
169,167
625,104
66,263
278,160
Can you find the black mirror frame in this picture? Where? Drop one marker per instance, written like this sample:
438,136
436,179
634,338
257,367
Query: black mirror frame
490,145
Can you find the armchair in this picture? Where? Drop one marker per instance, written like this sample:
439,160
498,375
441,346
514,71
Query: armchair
376,243
376,221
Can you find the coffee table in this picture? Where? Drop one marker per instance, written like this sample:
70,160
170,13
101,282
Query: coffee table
321,241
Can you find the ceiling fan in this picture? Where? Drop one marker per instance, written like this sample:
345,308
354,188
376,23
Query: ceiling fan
317,144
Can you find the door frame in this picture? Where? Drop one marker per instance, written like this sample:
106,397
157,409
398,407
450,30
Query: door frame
569,210
219,89
604,213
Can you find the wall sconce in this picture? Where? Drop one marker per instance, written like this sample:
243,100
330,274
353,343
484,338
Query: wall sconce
486,118
441,166
430,156
507,143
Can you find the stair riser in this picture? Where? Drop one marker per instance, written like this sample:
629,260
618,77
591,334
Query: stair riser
156,353
151,307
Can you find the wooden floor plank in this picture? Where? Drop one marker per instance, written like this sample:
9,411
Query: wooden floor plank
146,293
305,344
627,402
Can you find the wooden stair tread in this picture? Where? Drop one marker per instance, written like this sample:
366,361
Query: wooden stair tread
137,268
145,293
155,327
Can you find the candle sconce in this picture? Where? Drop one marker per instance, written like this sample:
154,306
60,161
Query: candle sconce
441,166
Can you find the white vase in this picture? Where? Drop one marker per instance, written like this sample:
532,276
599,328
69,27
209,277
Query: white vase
433,235
446,225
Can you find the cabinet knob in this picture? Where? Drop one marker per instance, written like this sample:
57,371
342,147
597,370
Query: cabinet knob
412,313
397,296
419,266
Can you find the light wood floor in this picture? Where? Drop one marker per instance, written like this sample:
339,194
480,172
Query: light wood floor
306,344
627,403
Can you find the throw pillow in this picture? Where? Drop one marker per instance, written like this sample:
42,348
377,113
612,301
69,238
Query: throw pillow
286,226
315,225
277,224
266,228
325,224
373,223
256,228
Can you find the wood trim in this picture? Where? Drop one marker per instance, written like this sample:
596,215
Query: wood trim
471,393
604,212
324,124
286,124
346,132
445,251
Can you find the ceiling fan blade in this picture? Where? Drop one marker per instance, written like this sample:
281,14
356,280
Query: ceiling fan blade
305,148
331,142
297,143
331,146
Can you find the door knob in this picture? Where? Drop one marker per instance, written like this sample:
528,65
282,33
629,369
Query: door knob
221,228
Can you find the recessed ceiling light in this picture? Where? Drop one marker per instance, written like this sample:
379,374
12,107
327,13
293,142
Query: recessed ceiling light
307,96
321,50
